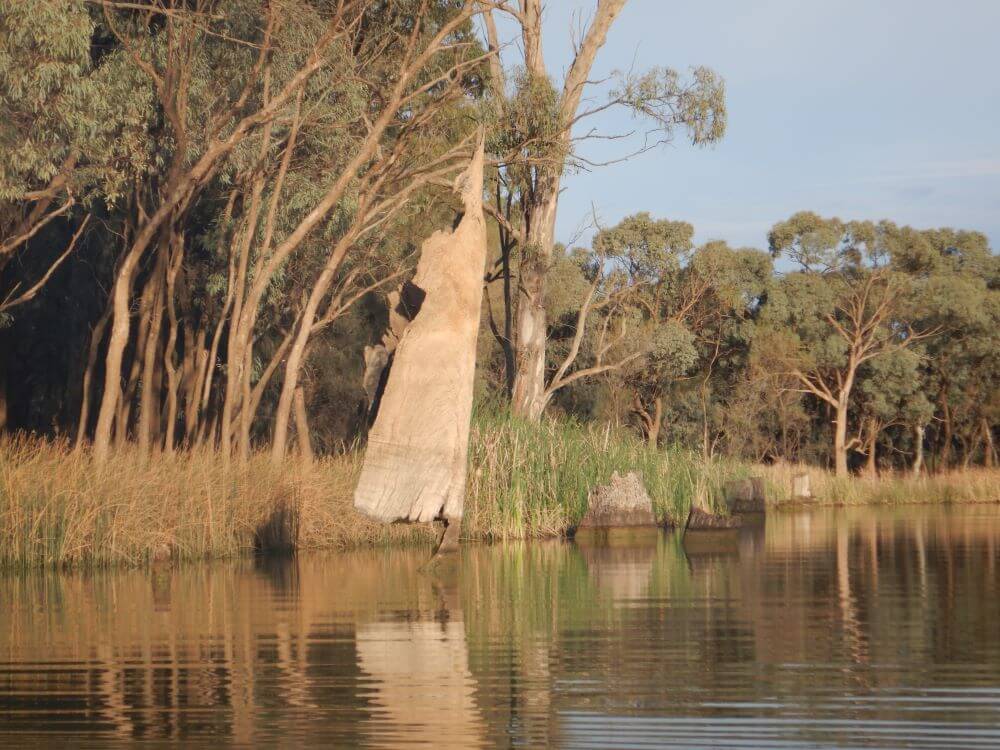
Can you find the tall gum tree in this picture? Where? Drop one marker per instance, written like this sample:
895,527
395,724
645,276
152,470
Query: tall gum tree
537,137
845,307
169,71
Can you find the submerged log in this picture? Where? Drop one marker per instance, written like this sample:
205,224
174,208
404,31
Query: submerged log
623,501
415,463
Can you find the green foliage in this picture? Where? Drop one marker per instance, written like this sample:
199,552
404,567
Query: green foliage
57,102
699,105
533,479
651,250
891,389
528,122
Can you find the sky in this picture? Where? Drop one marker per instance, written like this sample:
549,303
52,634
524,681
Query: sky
850,108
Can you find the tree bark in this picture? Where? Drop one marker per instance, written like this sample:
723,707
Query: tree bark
840,438
871,467
302,437
169,364
655,423
3,386
918,459
989,448
541,201
117,341
149,395
531,326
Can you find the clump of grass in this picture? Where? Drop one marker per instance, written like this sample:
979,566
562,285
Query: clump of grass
58,507
966,486
532,479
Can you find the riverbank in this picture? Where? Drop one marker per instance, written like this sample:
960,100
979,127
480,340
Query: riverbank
974,485
59,508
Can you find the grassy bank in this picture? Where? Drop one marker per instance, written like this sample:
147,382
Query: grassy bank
966,486
57,507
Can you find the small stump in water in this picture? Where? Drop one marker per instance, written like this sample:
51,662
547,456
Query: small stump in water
710,534
702,520
622,502
746,496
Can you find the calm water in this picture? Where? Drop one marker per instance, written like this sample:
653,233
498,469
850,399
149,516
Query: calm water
832,628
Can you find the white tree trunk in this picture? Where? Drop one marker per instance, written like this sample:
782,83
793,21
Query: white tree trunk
415,465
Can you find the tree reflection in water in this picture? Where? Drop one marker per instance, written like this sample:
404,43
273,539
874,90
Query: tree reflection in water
833,626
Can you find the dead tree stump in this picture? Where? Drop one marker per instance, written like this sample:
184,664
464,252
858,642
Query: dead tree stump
415,463
622,502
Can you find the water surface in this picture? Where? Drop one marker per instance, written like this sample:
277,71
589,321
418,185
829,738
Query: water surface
827,628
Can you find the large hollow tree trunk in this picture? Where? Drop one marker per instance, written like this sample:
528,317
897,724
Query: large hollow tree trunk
416,461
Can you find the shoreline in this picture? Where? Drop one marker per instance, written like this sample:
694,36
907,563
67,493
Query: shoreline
60,510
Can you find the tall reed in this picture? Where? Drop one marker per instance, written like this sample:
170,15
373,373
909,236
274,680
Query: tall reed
532,479
59,507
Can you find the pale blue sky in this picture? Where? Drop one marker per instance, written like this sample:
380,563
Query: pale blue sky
861,109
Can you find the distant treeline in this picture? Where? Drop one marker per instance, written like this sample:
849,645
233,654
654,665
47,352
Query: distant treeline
204,203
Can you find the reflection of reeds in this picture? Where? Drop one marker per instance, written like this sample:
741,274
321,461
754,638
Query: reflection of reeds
250,637
969,485
361,649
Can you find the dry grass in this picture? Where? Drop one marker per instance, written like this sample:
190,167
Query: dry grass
968,486
57,507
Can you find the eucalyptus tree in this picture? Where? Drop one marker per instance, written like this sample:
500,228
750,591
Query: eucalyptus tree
960,283
172,47
844,308
652,253
537,137
735,283
285,136
696,305
71,132
890,394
